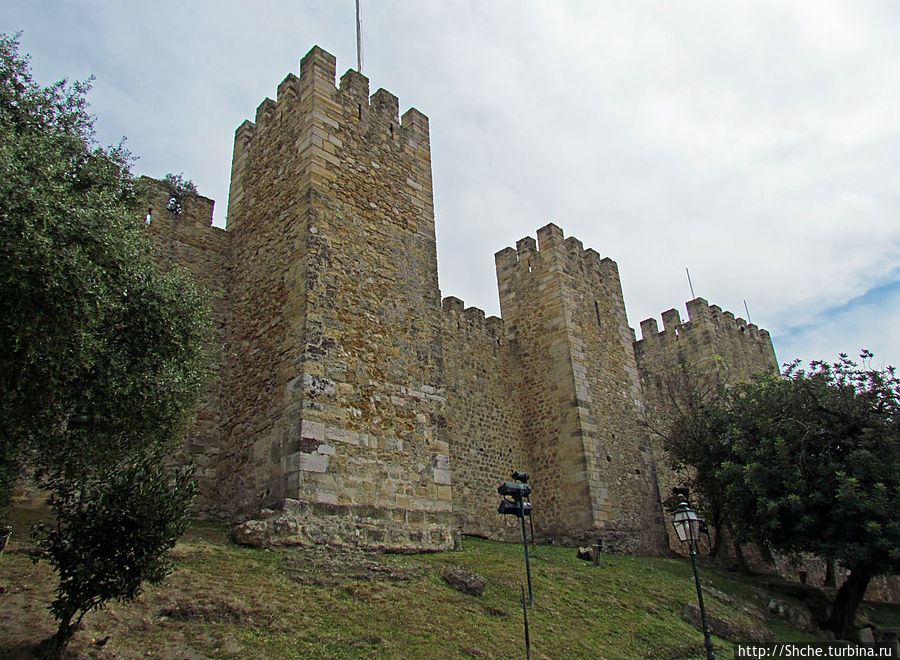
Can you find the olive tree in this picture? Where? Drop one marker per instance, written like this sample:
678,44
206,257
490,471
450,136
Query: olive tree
103,354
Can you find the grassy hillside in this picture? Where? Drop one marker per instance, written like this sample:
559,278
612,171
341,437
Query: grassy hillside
225,601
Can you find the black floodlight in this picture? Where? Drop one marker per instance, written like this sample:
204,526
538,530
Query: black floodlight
515,503
515,491
510,508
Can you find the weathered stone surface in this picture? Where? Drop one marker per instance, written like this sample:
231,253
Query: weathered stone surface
252,532
299,523
464,581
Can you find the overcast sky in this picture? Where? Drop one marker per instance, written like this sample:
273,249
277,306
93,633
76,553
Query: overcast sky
755,143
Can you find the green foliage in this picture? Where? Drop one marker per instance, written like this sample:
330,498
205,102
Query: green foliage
111,535
179,188
815,463
807,463
102,351
104,354
698,440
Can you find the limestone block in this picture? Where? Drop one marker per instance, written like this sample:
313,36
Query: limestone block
313,462
312,430
326,496
464,581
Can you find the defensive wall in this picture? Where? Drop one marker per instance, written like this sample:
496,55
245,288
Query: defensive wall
188,239
352,406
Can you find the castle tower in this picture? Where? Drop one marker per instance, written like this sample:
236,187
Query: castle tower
334,378
689,358
686,363
590,459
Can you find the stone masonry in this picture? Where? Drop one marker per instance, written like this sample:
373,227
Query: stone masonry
351,406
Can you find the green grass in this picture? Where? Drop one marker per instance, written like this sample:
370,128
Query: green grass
224,601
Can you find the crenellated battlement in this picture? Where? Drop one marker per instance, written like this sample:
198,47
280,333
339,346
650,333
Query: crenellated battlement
688,360
702,315
317,81
472,317
288,89
194,210
552,249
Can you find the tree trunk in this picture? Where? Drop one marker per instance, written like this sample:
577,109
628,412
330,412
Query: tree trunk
56,645
717,541
738,552
829,574
849,596
718,526
765,554
741,561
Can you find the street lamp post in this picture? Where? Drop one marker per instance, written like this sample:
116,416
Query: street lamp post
687,526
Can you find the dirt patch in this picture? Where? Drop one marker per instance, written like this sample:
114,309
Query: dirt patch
494,611
220,612
333,568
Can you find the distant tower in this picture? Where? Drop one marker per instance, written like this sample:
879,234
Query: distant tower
687,362
590,459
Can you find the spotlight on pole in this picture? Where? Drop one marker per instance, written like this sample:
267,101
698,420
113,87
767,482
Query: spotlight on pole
515,503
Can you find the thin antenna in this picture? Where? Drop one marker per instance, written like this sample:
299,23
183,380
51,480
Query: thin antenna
358,40
689,283
747,309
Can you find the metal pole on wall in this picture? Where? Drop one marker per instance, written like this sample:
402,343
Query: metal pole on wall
358,40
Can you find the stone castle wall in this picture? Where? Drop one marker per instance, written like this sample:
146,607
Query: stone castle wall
189,240
353,407
484,418
711,347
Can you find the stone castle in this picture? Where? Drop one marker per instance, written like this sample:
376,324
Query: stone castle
353,406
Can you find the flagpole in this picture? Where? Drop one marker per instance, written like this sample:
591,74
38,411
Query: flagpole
358,41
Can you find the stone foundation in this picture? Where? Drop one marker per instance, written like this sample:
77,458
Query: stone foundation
297,523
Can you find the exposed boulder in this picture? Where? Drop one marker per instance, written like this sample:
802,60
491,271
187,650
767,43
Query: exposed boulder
464,581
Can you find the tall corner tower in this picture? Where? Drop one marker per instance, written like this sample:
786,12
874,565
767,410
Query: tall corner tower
591,463
335,379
